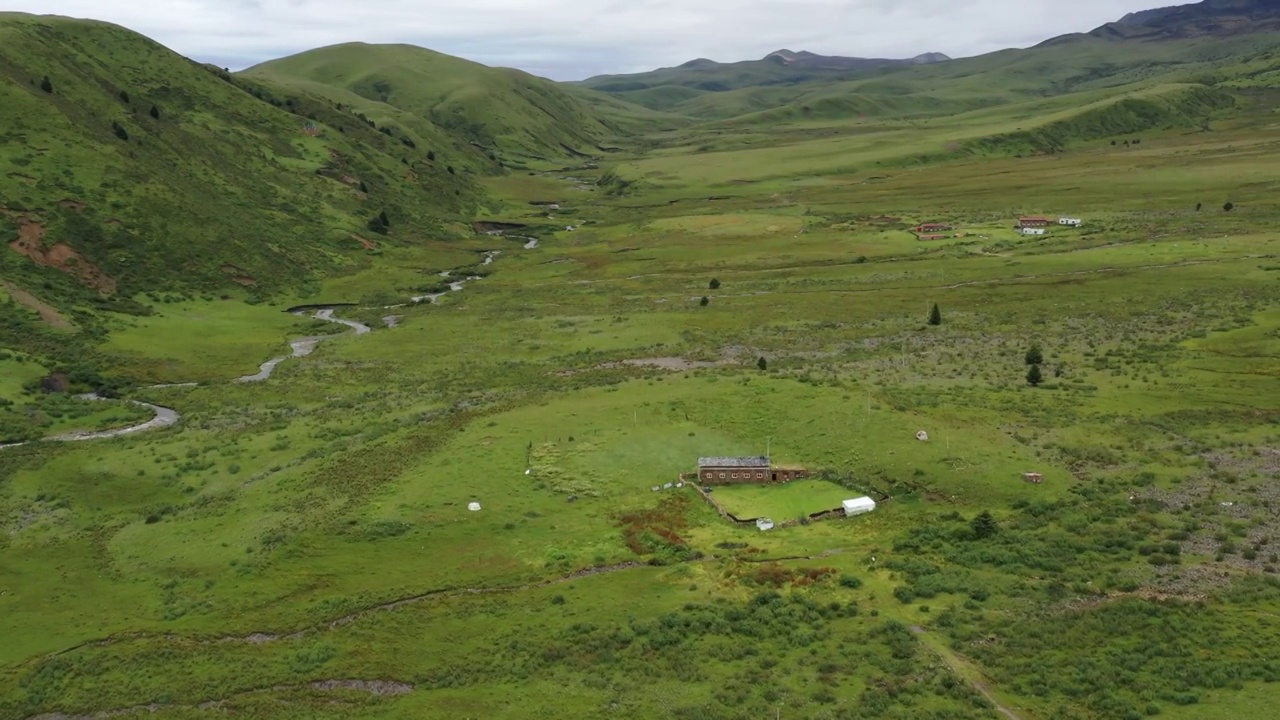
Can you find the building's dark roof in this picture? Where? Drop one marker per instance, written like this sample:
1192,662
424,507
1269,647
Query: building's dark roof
733,462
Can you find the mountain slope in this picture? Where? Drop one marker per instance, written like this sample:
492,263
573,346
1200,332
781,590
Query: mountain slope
508,112
128,169
1211,17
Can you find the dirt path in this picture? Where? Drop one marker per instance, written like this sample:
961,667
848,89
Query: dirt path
47,312
258,638
963,669
379,688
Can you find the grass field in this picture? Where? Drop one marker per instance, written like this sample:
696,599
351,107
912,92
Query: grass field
792,500
303,547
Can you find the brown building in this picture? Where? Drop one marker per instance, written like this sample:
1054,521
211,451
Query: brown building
933,228
1034,221
729,470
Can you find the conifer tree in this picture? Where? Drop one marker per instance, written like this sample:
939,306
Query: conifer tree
935,315
983,525
1034,356
1034,376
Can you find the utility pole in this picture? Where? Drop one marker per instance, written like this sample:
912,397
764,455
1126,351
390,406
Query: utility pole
768,450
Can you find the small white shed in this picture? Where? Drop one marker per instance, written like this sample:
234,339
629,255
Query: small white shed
764,524
858,506
1031,231
1070,222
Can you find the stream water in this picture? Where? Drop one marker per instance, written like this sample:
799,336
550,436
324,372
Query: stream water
301,347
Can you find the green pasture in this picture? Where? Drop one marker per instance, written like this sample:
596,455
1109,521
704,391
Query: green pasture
203,340
796,499
16,374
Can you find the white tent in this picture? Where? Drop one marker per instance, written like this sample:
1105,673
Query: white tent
473,506
764,524
858,506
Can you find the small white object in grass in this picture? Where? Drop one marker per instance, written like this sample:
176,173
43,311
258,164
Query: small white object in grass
473,507
679,484
528,471
656,488
922,435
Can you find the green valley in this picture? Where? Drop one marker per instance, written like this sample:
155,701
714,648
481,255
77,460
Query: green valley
434,349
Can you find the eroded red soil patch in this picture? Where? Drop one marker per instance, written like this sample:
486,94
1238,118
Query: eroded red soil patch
61,256
365,242
238,275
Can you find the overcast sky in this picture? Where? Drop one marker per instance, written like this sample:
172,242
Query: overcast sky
574,39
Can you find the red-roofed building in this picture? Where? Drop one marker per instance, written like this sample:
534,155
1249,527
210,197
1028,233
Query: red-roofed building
1034,221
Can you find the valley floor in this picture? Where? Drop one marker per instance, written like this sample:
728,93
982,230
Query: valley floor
302,547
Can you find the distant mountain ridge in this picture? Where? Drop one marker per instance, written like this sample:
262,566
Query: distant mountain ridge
780,67
1210,17
807,59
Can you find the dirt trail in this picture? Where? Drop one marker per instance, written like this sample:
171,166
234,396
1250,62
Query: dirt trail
379,688
258,638
47,312
963,670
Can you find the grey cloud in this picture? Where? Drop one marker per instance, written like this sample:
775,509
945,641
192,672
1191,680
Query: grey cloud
564,39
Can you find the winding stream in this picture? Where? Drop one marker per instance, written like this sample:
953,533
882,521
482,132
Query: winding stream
301,347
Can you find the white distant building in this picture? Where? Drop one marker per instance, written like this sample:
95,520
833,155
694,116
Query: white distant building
858,506
1031,231
764,524
1070,222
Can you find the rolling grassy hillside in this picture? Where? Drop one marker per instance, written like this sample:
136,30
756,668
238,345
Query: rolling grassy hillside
132,177
511,114
132,169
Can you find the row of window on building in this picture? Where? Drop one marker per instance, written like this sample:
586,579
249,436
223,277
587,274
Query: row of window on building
734,476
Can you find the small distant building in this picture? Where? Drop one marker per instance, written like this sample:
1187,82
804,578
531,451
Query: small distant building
727,470
1031,230
764,524
1034,221
1070,222
858,506
1034,478
931,236
933,228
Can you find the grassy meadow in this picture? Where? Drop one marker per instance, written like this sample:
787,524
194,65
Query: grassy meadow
303,547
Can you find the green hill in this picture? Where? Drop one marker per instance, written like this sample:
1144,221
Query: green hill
510,113
129,169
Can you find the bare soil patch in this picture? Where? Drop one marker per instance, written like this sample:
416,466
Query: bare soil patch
672,364
238,275
383,688
61,256
365,242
